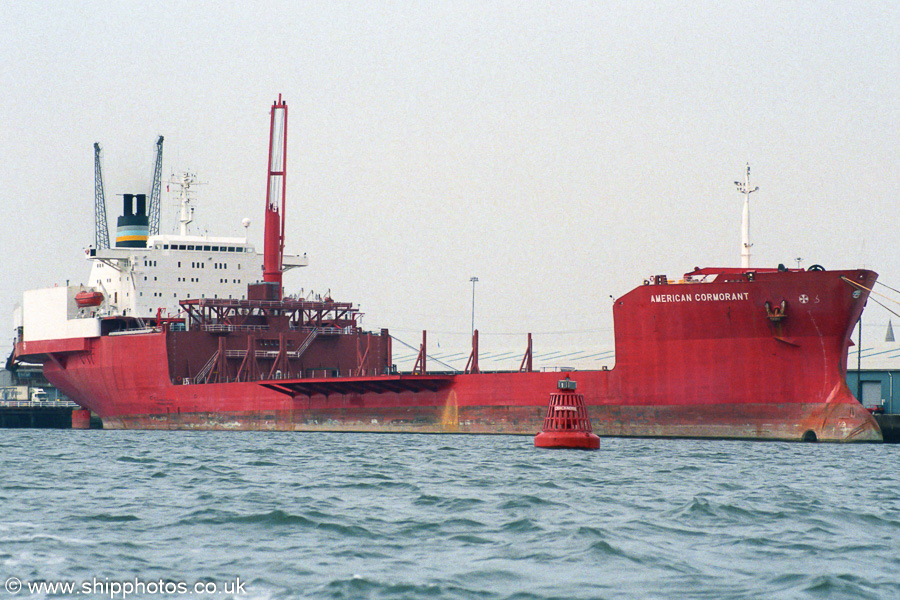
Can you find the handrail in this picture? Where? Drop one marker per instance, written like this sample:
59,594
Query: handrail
136,331
224,327
207,367
38,404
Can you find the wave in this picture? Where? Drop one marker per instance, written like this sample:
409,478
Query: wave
523,525
108,518
455,517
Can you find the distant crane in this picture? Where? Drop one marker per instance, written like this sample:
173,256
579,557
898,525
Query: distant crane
101,225
155,189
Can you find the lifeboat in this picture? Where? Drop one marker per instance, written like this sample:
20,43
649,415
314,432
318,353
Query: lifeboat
86,299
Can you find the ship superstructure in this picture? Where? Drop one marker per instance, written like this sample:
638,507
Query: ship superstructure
144,273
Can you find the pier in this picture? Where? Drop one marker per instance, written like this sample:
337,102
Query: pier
47,414
890,427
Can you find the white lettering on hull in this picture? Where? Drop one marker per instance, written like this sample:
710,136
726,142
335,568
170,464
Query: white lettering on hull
701,297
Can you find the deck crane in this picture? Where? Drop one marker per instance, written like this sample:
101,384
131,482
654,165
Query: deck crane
155,189
101,225
273,252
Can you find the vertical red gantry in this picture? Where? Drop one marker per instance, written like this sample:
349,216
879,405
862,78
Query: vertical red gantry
275,195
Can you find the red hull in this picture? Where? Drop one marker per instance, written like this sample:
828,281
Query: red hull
693,360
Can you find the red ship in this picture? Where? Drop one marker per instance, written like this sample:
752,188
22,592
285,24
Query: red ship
722,353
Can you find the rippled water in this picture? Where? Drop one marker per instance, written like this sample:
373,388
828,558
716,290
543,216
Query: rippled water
317,515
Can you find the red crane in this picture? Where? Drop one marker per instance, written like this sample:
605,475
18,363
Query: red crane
273,252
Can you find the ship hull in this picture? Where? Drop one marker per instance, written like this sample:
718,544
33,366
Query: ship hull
699,361
456,412
839,422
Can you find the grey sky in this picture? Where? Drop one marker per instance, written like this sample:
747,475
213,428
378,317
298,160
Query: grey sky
562,154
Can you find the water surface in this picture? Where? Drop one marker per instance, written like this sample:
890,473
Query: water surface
332,516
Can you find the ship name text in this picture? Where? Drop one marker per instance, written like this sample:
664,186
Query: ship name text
701,297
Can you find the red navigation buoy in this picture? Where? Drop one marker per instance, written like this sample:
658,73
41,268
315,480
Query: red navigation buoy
567,424
81,418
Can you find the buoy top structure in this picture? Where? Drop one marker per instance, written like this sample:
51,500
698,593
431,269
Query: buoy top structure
567,424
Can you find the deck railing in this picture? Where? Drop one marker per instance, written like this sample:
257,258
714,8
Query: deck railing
38,404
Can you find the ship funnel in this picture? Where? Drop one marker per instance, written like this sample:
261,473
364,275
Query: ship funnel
133,226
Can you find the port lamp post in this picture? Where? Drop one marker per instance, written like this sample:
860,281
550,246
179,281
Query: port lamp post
474,280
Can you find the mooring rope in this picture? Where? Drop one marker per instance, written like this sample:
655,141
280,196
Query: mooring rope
859,285
428,355
887,286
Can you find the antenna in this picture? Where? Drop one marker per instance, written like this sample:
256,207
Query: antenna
273,251
744,188
155,189
101,224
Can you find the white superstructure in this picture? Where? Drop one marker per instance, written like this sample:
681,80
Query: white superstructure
138,280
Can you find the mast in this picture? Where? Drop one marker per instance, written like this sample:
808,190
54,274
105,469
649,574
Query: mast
744,188
185,195
273,252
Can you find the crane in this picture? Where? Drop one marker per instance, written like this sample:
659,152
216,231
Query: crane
101,225
273,240
155,189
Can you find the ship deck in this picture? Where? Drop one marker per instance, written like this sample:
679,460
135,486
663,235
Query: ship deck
378,384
